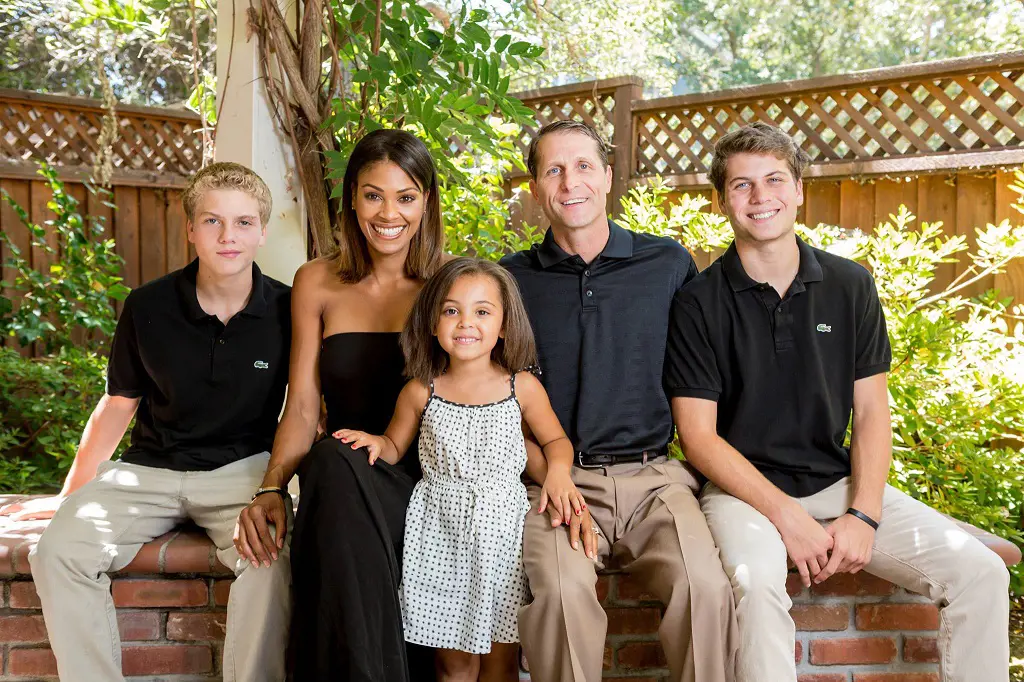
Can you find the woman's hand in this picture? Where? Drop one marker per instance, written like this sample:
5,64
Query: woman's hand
360,439
561,494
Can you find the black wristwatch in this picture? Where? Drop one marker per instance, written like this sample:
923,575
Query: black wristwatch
280,491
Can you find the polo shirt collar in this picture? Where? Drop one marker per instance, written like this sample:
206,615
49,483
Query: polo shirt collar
186,286
809,270
619,245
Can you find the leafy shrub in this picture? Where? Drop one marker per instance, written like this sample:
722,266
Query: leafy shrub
44,406
67,312
77,292
957,382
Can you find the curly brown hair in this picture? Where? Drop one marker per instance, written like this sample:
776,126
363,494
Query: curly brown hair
756,138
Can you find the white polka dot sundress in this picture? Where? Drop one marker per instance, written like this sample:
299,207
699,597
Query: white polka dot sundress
462,576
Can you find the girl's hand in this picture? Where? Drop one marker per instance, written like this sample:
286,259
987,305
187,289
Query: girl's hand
360,439
560,492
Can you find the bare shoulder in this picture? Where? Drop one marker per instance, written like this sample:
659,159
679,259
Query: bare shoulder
528,386
415,394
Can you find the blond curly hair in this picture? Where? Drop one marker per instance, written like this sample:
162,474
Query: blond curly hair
227,175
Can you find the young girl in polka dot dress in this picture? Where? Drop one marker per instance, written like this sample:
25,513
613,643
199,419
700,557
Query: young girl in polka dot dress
463,581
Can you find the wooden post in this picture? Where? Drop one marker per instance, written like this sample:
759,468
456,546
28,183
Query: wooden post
624,143
248,134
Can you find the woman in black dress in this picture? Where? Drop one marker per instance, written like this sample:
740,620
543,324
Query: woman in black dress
348,310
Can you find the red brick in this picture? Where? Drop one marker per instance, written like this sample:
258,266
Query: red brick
138,626
606,662
823,677
793,584
858,650
200,627
896,677
632,589
24,596
7,557
897,617
31,663
604,584
798,652
633,621
638,655
149,593
167,660
191,553
221,588
854,585
921,650
22,629
813,618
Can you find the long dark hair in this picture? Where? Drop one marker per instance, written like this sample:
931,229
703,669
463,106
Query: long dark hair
424,357
405,150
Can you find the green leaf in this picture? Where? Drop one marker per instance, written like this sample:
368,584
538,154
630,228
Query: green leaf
502,43
475,33
519,48
478,15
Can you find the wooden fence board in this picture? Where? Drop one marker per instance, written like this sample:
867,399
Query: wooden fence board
1012,281
975,207
152,234
126,231
177,242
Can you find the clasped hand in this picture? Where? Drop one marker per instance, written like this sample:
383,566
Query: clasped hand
843,546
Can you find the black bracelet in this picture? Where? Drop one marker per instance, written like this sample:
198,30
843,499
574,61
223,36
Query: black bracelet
863,517
280,491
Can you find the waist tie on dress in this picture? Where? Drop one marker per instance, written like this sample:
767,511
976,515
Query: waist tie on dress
477,491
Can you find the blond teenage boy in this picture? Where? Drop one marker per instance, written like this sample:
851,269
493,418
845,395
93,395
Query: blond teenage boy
200,360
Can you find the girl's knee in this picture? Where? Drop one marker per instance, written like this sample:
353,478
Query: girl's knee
457,666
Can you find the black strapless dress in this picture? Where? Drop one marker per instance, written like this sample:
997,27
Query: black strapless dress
346,548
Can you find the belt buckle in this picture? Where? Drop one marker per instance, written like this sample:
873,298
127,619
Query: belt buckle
579,462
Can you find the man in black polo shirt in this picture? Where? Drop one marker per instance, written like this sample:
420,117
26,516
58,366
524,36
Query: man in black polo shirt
770,350
200,359
598,297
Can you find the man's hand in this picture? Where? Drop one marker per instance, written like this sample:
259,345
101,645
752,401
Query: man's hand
253,538
560,498
807,543
32,510
582,527
852,540
360,439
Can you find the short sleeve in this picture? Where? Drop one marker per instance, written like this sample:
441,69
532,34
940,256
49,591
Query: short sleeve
691,370
874,354
125,375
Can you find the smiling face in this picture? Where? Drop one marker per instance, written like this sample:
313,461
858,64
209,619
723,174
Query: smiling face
761,197
471,319
389,207
226,231
572,184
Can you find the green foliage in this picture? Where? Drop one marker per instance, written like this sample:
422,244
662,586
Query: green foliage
443,82
78,290
44,406
476,212
957,382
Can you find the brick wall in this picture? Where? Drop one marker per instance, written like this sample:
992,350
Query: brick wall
851,629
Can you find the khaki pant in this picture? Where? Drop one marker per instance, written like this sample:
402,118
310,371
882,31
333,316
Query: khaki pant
651,522
102,526
915,547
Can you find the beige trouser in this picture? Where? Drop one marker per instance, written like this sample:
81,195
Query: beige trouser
102,526
650,520
915,547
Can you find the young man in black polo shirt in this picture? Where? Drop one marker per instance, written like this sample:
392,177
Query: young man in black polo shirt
770,350
200,359
598,297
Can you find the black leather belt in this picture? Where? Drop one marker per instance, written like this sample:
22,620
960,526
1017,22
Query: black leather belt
589,461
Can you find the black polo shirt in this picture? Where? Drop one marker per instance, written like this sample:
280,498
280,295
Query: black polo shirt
601,331
782,371
211,393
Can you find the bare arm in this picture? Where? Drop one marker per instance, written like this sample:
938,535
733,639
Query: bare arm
806,542
103,432
254,539
870,458
297,428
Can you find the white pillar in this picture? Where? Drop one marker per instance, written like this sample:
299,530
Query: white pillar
248,134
